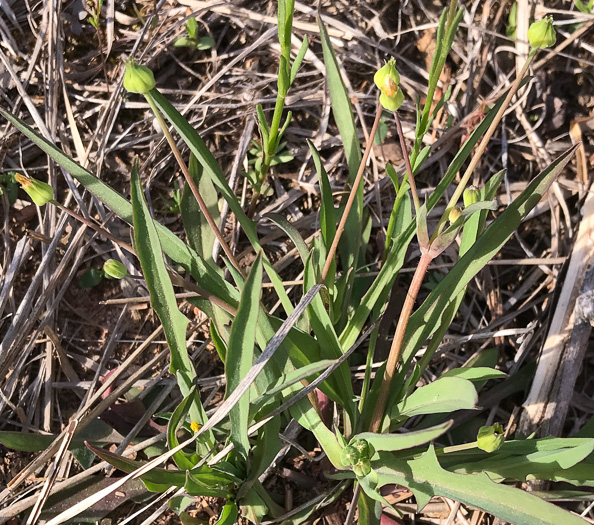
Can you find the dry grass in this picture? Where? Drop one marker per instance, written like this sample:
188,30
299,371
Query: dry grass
59,342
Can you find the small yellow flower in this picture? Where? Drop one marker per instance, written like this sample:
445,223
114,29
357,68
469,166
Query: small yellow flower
195,426
40,192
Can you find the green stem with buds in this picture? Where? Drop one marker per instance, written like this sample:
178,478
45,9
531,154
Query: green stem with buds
483,145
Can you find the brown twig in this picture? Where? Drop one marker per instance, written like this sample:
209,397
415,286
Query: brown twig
411,179
352,194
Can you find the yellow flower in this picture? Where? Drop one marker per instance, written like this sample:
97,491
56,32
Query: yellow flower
195,426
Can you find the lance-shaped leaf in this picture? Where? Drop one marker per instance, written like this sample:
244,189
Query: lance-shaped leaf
240,354
150,254
427,318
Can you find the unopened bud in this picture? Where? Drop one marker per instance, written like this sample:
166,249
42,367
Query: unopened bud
349,456
387,79
195,426
138,79
362,468
471,195
542,34
114,269
455,213
365,449
40,192
490,438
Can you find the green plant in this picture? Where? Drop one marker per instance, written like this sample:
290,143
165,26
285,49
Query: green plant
193,40
275,363
94,11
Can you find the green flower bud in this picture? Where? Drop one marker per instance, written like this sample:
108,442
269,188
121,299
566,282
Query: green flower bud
490,438
392,103
138,79
542,34
349,456
471,195
365,449
455,213
40,192
387,78
362,468
114,269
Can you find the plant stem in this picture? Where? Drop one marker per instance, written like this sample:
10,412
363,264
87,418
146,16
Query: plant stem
483,145
396,348
103,61
411,179
95,227
352,195
191,182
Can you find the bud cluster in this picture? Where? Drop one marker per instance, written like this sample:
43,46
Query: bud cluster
358,456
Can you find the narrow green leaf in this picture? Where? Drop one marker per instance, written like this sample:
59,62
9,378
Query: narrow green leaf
475,374
393,442
341,104
427,318
293,234
214,172
229,514
240,354
148,249
299,59
201,236
212,482
175,248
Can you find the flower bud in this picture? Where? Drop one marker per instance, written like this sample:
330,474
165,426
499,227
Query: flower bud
365,449
471,195
455,213
138,79
387,79
362,468
40,192
542,34
114,269
195,426
349,456
393,103
490,438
